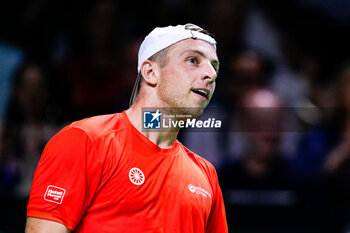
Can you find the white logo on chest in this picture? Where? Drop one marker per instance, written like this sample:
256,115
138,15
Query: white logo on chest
136,176
199,190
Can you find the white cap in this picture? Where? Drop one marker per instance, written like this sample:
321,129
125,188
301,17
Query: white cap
162,37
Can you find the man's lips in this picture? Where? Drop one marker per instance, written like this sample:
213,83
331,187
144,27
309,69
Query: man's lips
202,92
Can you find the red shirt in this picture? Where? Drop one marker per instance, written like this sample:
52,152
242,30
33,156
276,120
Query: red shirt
102,175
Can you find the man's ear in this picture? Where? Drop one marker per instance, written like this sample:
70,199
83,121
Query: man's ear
150,72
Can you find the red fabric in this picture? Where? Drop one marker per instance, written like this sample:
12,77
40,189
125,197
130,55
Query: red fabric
177,191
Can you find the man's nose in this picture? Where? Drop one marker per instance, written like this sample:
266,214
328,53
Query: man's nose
209,72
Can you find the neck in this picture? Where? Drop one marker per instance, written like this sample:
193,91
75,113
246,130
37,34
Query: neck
163,139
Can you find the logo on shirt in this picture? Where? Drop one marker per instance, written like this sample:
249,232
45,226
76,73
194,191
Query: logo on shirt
136,176
199,191
151,119
54,194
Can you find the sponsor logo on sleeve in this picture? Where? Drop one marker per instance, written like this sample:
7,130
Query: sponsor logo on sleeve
54,194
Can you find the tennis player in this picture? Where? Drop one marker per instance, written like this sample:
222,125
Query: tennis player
107,174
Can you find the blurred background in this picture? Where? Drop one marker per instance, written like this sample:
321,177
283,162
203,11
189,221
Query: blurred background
283,157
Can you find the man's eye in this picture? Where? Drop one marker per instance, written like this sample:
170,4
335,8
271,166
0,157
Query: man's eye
192,60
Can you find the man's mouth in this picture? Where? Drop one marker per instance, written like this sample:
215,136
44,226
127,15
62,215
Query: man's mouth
203,92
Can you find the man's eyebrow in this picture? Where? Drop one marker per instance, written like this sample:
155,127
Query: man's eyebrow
214,62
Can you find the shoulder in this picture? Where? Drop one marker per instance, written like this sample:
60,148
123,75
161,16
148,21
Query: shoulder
204,164
208,170
98,126
99,133
94,141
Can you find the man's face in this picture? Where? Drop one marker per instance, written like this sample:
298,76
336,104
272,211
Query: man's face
188,78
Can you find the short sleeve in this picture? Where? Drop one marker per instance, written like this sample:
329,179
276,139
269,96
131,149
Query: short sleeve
66,178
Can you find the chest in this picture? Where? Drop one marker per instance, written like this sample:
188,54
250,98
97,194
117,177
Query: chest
155,188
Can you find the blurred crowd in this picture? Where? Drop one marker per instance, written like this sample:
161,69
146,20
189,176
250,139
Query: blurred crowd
283,91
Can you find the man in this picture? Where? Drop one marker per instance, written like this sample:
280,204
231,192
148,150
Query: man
107,174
